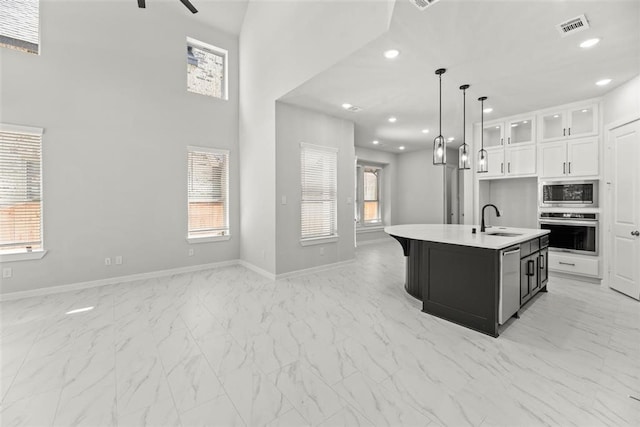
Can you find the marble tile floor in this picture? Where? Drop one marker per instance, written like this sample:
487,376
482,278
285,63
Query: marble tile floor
343,347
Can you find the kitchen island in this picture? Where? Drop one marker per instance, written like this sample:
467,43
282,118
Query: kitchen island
462,276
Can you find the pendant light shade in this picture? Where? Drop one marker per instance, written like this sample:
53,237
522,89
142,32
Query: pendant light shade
463,152
483,161
439,143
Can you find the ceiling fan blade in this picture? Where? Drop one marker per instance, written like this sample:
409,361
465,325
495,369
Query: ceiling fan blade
142,4
189,6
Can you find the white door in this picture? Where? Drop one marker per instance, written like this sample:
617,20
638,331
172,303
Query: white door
582,157
552,159
625,268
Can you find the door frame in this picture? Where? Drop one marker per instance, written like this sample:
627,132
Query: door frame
606,214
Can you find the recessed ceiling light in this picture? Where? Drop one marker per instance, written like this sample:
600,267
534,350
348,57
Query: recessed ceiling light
488,110
425,130
525,121
584,111
376,142
80,310
392,119
497,127
556,116
514,125
346,106
603,82
401,147
589,43
391,53
450,139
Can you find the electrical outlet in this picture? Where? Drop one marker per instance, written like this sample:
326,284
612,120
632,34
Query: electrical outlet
119,260
7,272
107,261
191,252
321,251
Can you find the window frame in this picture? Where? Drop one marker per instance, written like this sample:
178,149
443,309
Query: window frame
361,168
191,42
212,237
334,236
24,254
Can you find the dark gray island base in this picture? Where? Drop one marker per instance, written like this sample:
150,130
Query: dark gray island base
461,283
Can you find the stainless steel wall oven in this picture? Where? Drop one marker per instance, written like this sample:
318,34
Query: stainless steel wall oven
571,231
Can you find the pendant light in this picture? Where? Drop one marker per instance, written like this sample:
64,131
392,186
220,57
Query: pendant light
439,143
463,152
483,161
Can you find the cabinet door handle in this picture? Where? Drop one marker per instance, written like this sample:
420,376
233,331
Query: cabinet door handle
501,167
567,263
564,132
509,140
501,141
635,233
564,168
509,167
569,131
569,168
541,262
530,268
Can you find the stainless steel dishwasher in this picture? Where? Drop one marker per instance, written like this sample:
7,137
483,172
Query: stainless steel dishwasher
509,302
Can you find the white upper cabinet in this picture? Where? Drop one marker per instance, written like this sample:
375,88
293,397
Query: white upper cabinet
521,160
495,163
521,130
573,122
493,135
569,159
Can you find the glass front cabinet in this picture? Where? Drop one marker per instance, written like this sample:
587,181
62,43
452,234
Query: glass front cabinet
575,122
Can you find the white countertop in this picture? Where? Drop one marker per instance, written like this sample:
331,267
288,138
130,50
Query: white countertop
456,234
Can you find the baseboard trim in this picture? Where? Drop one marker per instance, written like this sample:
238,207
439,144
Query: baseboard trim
575,277
374,241
257,269
114,280
312,270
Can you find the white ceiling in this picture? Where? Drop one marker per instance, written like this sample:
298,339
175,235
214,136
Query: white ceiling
507,50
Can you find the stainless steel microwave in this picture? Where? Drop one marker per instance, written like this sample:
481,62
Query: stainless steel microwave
569,194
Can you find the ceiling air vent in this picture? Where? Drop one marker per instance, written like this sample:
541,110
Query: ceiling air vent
574,25
354,109
423,4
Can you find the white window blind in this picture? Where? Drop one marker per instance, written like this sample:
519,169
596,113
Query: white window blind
319,172
20,188
19,25
208,192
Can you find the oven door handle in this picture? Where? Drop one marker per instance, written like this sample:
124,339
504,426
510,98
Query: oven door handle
591,223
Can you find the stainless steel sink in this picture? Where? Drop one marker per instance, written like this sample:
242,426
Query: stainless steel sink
503,234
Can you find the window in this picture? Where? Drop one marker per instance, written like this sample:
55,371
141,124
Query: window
368,203
208,193
20,189
319,177
206,69
19,25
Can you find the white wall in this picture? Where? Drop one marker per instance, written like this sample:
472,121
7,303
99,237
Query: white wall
109,89
516,198
283,44
419,195
388,189
623,102
293,126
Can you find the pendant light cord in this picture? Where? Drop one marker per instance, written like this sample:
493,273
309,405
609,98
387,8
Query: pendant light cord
482,124
464,117
440,96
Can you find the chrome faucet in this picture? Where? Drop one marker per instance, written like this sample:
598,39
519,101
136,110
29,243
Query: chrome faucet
482,226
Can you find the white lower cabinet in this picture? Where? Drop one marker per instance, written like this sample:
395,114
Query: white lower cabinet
583,265
573,158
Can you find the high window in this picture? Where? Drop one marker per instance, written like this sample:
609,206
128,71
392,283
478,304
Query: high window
206,69
20,189
19,25
368,200
319,181
208,193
